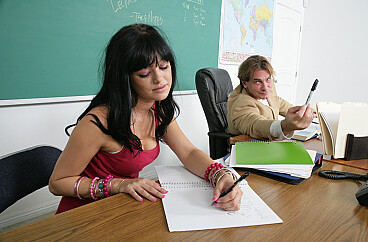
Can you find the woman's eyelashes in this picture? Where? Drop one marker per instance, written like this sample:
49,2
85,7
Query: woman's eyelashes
144,74
163,67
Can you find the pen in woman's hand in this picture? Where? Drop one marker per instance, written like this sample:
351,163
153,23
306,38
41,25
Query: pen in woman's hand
224,193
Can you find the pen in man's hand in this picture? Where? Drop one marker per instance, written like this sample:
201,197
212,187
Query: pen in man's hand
311,91
224,193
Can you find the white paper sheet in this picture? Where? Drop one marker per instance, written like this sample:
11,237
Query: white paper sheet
188,207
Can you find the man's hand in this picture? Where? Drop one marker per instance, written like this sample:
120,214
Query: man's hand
298,117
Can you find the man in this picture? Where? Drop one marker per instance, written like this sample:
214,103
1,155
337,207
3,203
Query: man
254,107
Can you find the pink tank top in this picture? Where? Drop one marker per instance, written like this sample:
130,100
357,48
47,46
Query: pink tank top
122,164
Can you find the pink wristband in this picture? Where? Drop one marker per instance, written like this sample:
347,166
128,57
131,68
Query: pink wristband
91,190
75,185
77,188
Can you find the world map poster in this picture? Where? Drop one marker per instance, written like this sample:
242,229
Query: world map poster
247,30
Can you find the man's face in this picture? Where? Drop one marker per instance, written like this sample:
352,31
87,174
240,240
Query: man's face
260,86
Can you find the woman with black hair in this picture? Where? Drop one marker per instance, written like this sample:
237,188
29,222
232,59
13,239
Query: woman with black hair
119,133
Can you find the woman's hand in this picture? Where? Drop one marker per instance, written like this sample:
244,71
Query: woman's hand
141,187
230,202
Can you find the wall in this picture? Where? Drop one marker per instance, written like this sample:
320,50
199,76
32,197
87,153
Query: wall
334,49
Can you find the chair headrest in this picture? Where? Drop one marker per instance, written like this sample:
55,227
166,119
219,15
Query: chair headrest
214,87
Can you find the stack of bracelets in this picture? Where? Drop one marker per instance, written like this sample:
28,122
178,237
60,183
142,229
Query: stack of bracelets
102,186
213,171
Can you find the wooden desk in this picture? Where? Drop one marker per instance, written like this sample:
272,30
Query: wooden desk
318,209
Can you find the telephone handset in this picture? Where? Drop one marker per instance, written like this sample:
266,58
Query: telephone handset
362,194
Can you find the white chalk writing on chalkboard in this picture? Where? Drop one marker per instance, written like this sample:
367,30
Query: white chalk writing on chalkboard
120,4
149,18
194,11
197,1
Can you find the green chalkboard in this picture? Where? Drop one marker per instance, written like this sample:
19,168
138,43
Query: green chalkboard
52,48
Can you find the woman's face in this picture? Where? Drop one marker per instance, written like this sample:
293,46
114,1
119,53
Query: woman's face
153,83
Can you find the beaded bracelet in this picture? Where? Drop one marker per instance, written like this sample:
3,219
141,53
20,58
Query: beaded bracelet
96,189
214,166
76,188
91,190
104,185
208,171
100,188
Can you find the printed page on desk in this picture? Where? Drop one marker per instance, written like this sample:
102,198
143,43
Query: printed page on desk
188,207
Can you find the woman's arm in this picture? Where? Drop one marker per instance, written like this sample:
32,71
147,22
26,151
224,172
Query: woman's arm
85,141
197,162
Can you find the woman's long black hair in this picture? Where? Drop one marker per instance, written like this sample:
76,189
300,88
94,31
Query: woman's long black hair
132,48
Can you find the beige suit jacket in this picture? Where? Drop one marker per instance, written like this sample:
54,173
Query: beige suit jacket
246,115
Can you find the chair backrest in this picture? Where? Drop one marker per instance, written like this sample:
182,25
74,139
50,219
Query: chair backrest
214,87
24,172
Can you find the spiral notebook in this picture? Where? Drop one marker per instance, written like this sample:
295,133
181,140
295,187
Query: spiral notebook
188,207
282,157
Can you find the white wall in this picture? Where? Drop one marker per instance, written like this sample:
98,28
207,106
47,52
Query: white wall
334,50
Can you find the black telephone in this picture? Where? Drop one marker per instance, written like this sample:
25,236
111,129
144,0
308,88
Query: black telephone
362,193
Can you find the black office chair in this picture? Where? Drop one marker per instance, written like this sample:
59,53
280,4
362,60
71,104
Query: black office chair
214,87
24,172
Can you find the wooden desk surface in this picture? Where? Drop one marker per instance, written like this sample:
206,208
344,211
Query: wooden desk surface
317,209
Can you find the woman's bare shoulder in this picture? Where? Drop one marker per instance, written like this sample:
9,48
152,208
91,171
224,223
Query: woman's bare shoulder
101,112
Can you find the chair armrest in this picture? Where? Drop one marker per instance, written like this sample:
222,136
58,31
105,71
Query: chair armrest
220,134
